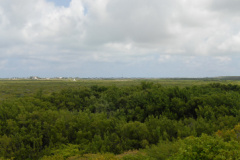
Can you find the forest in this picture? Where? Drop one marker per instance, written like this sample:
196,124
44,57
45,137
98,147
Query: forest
135,120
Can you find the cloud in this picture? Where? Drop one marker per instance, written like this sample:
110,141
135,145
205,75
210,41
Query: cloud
120,31
159,25
226,6
174,27
223,59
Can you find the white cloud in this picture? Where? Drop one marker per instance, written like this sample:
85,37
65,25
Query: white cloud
3,64
231,44
164,58
119,30
223,59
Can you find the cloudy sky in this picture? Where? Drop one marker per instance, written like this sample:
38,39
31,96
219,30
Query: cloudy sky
119,38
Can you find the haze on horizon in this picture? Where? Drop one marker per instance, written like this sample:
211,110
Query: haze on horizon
119,38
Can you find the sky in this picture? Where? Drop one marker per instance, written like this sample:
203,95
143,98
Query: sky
119,38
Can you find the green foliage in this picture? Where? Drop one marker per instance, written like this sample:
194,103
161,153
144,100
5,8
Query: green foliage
79,120
163,150
137,157
134,135
66,151
207,148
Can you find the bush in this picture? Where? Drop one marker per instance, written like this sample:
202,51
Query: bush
207,148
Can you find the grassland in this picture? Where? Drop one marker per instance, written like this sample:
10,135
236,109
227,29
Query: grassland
22,88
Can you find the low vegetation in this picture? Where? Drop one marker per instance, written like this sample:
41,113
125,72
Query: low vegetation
143,120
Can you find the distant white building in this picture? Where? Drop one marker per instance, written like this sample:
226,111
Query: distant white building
34,77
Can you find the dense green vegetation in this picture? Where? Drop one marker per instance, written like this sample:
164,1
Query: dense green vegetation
59,120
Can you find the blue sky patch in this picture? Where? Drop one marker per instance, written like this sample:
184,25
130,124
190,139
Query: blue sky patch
64,3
